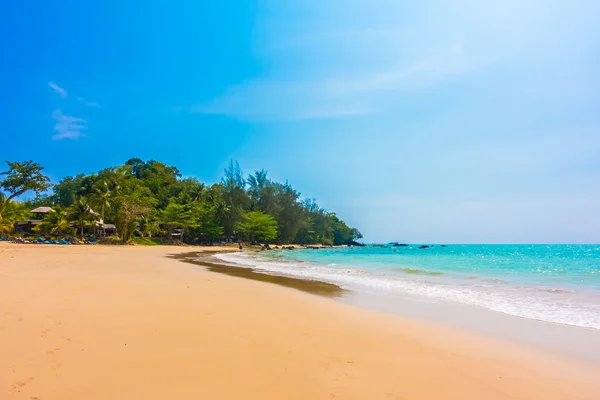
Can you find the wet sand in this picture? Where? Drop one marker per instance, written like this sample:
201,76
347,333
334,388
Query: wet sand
131,323
206,260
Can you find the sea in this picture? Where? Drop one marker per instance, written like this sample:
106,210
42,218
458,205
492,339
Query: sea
558,284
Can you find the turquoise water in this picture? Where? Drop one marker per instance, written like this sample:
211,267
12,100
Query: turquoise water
560,266
554,283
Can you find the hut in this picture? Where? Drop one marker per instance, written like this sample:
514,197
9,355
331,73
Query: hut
40,212
109,229
37,215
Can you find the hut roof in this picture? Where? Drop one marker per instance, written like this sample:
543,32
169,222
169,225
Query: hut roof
42,210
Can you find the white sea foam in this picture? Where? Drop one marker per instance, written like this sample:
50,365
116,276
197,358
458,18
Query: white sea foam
546,304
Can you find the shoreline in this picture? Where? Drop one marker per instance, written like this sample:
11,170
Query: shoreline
105,322
559,339
204,259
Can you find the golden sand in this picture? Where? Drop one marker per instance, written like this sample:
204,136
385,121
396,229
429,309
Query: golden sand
94,322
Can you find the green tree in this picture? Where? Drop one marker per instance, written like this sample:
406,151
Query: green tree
103,193
40,200
10,212
22,177
156,176
342,233
262,192
179,216
235,196
82,214
130,208
257,225
191,190
67,190
56,222
132,201
290,212
210,228
148,226
316,225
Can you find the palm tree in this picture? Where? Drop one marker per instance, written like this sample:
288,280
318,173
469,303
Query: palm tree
198,192
10,212
103,196
147,226
55,222
82,214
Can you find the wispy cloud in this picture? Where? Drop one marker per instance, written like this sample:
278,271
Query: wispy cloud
88,103
320,62
337,95
62,92
67,127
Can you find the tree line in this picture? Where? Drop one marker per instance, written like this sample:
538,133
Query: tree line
150,199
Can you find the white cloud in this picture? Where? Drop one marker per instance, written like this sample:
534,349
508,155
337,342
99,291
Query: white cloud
62,92
67,127
88,103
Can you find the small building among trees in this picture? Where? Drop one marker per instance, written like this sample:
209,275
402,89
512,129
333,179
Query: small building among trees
37,215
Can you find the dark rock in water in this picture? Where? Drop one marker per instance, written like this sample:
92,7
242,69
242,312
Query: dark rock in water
353,243
423,247
267,247
313,247
289,248
400,245
444,245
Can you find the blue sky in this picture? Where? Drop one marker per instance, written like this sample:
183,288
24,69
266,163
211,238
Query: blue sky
431,121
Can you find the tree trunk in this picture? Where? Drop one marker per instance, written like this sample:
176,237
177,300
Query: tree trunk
18,193
103,222
81,231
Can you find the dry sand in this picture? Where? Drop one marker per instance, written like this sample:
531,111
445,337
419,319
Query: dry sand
93,322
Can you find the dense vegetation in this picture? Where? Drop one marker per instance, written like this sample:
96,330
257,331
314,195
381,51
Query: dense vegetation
146,199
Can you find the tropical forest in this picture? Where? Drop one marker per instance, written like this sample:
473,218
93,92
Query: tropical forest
149,202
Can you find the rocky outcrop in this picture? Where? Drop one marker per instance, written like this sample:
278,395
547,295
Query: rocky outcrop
353,243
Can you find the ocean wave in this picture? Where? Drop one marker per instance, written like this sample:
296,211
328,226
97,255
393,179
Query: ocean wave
546,290
416,271
558,291
546,304
494,280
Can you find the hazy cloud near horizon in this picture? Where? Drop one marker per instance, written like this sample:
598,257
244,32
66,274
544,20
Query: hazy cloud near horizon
481,117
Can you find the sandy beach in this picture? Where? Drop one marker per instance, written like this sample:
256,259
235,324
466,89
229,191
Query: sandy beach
100,322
